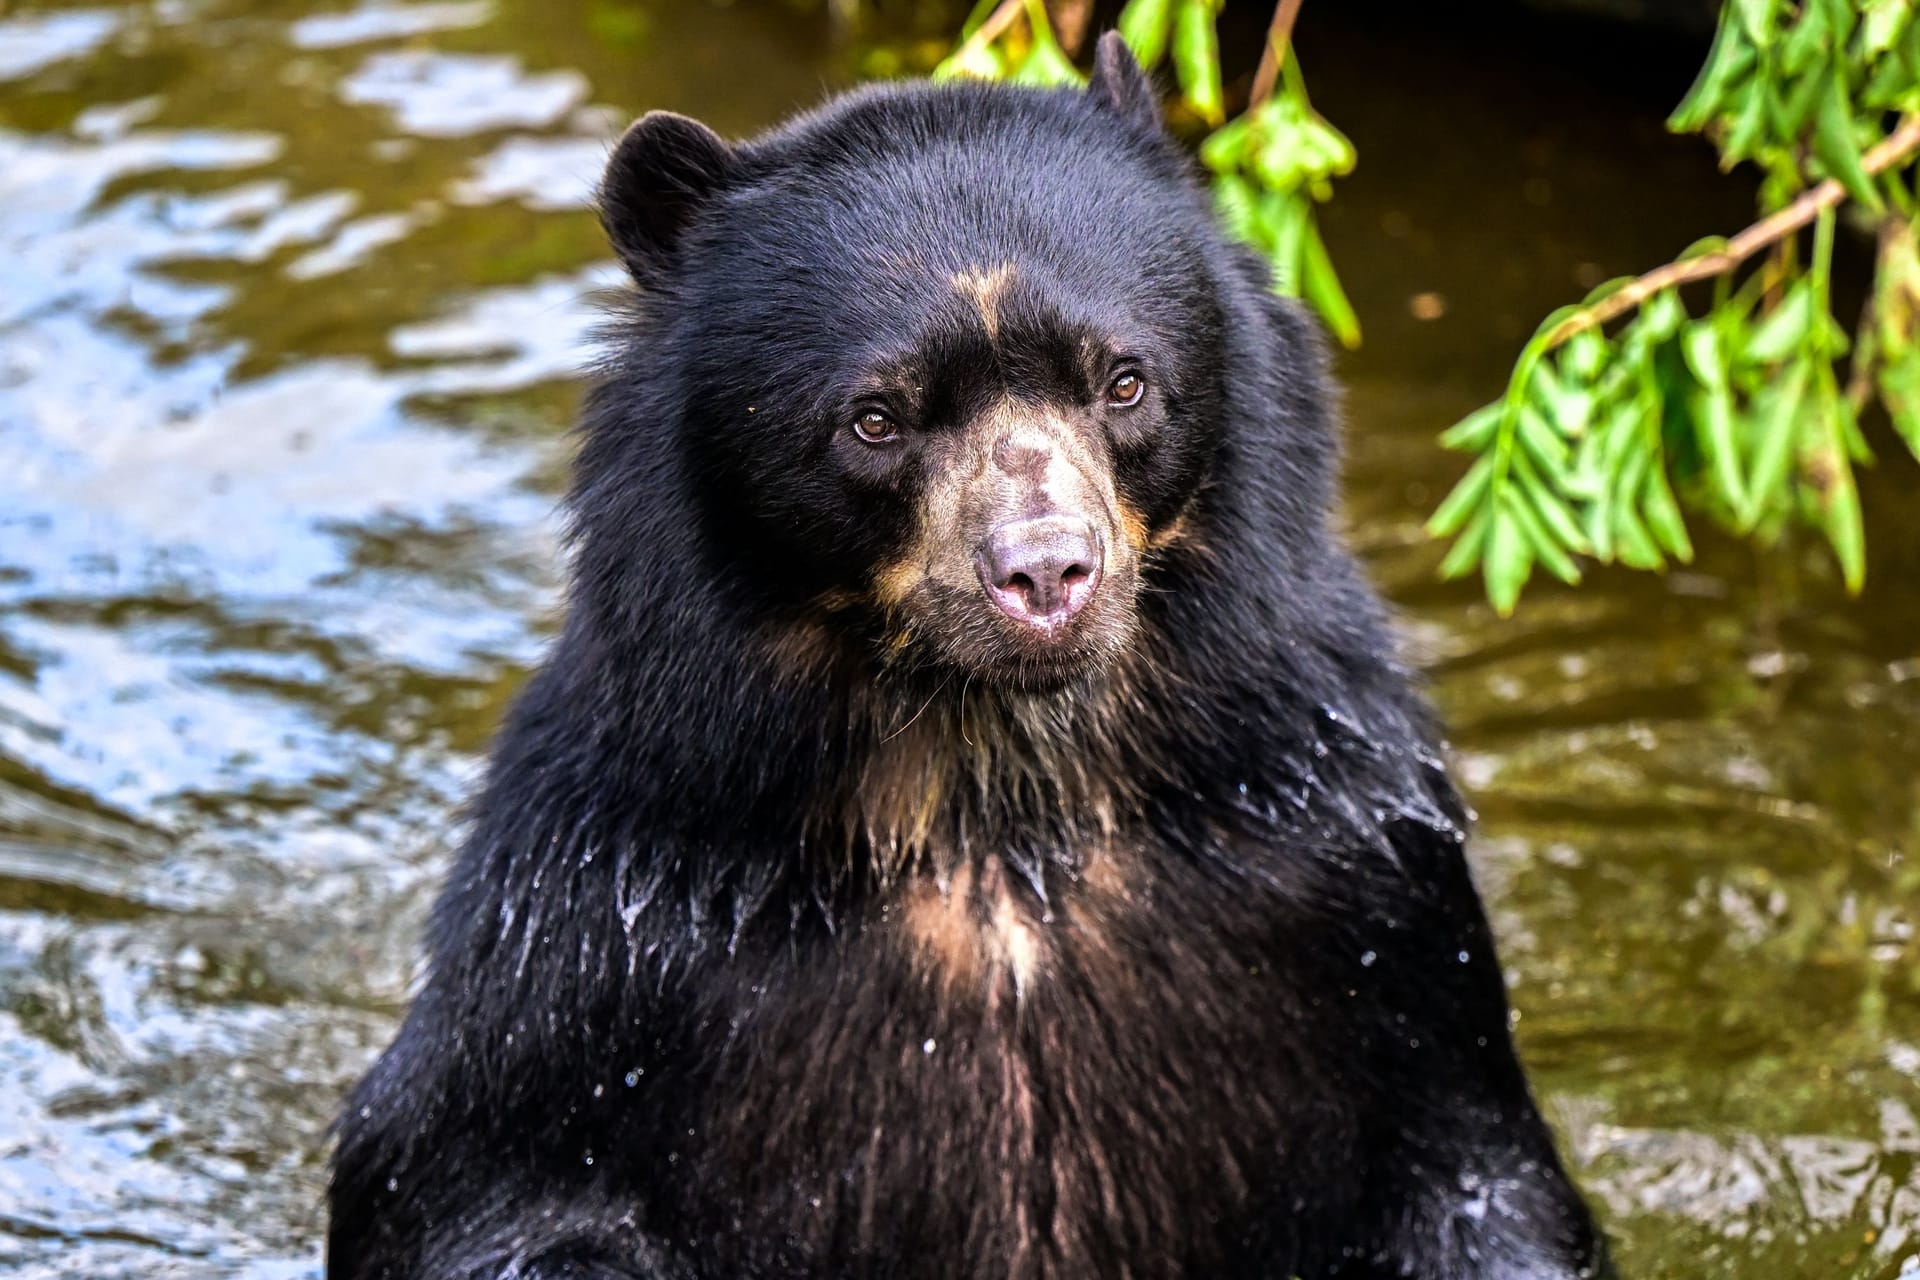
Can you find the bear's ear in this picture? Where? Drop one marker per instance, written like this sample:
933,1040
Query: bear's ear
663,169
1120,84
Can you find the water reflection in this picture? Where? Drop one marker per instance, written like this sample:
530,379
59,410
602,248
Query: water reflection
291,302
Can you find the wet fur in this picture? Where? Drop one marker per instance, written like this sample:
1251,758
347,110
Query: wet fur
776,950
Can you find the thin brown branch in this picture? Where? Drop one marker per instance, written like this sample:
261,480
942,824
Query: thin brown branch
1279,36
1897,146
1071,19
993,28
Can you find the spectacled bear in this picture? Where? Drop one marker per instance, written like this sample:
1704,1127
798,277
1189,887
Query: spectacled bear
972,822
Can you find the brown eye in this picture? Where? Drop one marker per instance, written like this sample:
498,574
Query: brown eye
875,427
1126,390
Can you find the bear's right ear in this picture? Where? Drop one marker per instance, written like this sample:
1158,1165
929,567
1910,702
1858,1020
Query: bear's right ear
1120,84
663,169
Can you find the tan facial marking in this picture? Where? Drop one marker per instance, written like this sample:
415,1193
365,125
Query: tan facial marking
1176,532
973,470
805,643
1133,526
984,286
800,647
838,599
894,583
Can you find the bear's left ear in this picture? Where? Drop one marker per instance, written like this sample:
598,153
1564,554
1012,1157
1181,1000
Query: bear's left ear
663,170
1120,84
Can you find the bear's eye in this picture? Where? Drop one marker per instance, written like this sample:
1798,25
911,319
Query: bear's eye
875,427
1125,391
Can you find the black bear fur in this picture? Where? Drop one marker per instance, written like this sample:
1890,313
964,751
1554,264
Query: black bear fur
798,934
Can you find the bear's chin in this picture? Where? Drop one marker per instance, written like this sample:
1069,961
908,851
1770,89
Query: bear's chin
960,635
1032,666
1044,676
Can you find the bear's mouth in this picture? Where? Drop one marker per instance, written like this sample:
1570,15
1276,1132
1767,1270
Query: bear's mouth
1022,644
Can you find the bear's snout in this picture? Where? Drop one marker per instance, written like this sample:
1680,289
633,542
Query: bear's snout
1041,572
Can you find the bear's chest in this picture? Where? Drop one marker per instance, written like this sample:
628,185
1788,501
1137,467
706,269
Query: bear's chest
1099,1085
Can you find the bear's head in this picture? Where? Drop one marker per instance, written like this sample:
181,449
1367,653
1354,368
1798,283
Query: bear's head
949,359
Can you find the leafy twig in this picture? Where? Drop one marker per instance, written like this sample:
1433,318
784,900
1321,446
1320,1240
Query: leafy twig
992,29
1279,36
1071,18
1897,146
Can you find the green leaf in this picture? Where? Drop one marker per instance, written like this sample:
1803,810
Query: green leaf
1796,111
1712,411
1280,163
1842,17
1748,125
1475,431
1234,203
1566,403
1661,316
1782,334
1897,289
1509,560
1607,452
1828,338
1196,59
1839,153
1756,19
1288,221
1146,26
1881,23
972,61
1546,550
1892,82
1598,518
1226,149
1702,247
1584,355
1637,547
1663,514
1333,152
1700,344
1464,500
1778,415
1808,41
1466,549
1900,392
1730,60
1538,438
1322,288
1555,516
1841,512
1601,292
1046,65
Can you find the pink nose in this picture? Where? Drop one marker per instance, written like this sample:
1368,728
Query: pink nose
1043,571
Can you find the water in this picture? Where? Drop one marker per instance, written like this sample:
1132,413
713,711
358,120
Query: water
291,303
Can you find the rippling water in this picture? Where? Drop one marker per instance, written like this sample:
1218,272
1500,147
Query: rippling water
292,301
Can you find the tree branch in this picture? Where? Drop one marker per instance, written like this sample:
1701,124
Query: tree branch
1279,36
1071,18
993,28
1897,146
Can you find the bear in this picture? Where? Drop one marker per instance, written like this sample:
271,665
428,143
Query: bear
972,820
